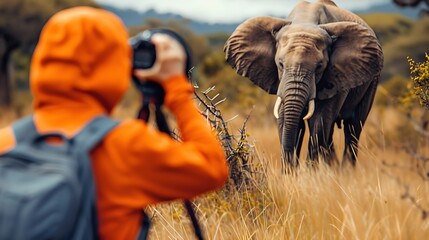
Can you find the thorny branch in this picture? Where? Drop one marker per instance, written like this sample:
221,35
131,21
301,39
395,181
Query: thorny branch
237,148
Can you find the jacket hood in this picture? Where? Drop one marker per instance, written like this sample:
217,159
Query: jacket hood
82,60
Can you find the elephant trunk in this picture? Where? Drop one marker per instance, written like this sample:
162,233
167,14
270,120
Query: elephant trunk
297,95
311,104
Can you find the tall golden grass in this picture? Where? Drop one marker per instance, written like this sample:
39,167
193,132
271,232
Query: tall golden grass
364,202
328,203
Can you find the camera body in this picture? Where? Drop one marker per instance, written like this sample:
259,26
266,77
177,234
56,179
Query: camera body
144,51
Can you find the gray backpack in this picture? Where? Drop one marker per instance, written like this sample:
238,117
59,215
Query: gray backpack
47,188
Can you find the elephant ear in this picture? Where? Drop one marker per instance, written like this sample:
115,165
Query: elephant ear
356,58
251,49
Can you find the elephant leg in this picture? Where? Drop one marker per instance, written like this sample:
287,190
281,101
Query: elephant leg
321,129
329,151
321,143
352,131
353,125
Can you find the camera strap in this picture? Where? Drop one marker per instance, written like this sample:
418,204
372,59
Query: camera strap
153,95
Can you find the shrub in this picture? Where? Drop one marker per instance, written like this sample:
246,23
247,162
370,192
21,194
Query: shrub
420,77
419,164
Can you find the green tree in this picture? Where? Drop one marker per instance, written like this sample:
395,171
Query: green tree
213,63
20,24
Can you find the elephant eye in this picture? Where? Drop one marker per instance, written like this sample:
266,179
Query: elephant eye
329,86
319,65
281,65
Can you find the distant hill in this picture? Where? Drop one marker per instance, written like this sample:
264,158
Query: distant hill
133,18
392,8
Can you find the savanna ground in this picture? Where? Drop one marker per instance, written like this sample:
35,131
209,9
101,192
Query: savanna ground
365,202
374,200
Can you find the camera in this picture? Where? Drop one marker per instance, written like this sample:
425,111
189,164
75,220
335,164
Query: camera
144,51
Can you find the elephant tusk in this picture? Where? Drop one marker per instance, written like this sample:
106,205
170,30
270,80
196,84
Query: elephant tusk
276,107
310,110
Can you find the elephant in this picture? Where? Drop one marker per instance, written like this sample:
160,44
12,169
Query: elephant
323,63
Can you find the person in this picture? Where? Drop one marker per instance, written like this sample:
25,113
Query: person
80,69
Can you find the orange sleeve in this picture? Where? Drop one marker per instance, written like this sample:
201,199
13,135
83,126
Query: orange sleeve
150,167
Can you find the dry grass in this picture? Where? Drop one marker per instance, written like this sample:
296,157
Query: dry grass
353,204
360,203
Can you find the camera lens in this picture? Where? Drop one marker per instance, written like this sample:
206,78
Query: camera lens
144,52
144,55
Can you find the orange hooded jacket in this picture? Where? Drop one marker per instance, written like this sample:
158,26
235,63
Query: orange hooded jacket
80,69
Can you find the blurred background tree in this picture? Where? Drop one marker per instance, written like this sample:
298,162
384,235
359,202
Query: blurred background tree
22,20
20,24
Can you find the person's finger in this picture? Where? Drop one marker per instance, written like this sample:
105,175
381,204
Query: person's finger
145,74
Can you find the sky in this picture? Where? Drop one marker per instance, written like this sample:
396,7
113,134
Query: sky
226,11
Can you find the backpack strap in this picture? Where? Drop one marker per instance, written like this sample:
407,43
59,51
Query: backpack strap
144,228
28,139
94,132
89,137
25,130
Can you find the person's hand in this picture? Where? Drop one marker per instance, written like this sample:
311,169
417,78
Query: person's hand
170,60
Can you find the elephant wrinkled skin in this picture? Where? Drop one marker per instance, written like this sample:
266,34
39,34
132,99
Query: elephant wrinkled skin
324,64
